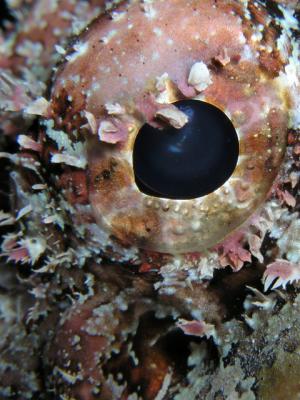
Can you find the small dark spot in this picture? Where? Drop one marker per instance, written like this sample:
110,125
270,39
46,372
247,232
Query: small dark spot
106,174
216,65
77,191
269,163
113,163
7,17
219,396
273,9
296,32
97,178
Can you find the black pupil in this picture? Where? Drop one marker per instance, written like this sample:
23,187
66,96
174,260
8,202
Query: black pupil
189,162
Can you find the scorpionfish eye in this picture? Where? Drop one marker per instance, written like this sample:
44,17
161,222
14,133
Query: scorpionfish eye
181,123
188,162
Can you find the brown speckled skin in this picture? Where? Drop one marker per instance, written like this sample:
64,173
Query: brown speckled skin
43,25
117,331
120,62
49,24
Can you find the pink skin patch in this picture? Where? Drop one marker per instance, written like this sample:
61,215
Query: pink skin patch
280,273
113,131
27,143
233,252
196,328
20,254
286,197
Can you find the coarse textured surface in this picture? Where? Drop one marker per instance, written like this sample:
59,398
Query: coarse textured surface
123,59
108,293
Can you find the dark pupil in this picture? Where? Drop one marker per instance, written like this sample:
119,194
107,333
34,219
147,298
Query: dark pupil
189,162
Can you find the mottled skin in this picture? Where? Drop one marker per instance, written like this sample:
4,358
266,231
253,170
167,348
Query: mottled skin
181,332
31,53
119,60
121,330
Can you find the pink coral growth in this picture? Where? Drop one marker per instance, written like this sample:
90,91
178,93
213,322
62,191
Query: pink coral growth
255,243
196,328
27,143
285,197
19,254
280,273
112,131
13,250
23,250
233,252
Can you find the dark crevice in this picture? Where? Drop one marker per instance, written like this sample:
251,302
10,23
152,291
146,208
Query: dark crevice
7,16
232,287
157,343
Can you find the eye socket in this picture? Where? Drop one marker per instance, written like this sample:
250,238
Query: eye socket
189,162
146,197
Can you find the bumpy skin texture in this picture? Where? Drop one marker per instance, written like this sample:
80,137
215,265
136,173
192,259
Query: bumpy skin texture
28,55
120,61
124,330
84,312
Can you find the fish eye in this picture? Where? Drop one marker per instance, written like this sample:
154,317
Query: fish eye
152,171
182,137
188,162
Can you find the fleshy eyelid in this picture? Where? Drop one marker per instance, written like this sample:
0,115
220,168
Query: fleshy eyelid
199,203
248,77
